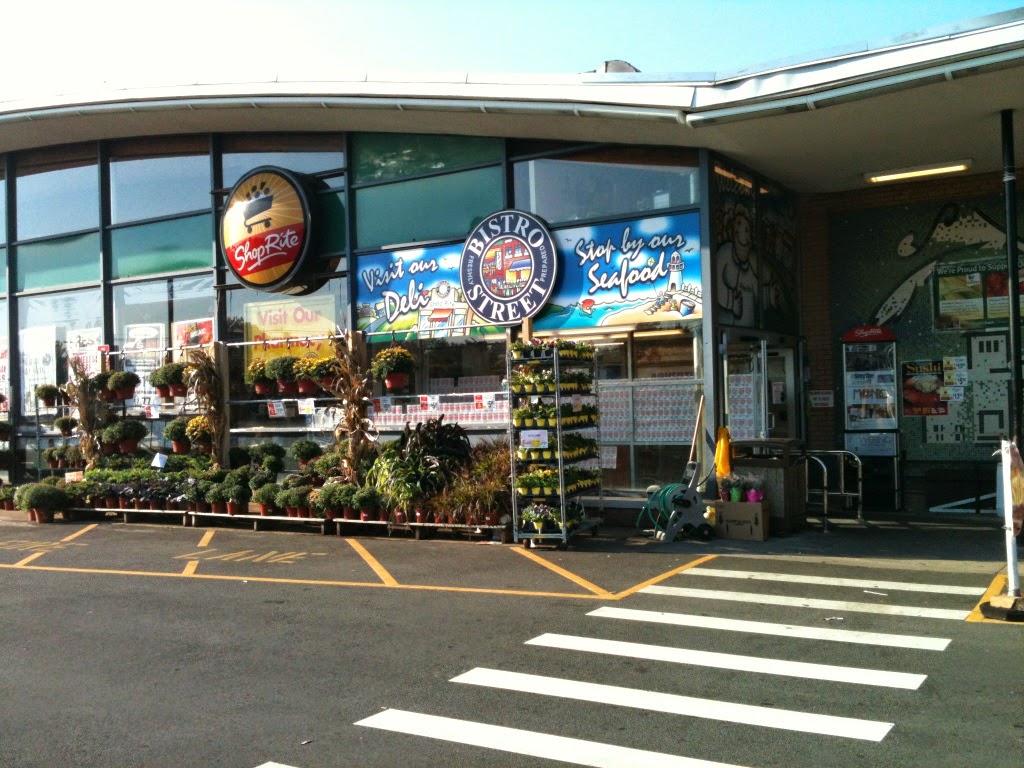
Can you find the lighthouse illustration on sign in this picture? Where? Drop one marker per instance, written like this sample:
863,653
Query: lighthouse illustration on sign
675,272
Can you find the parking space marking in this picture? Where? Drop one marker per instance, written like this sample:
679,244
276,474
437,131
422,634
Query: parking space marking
371,561
76,534
190,568
205,541
567,574
662,577
250,556
30,558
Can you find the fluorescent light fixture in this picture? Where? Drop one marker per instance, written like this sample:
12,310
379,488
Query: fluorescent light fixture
730,175
917,172
648,334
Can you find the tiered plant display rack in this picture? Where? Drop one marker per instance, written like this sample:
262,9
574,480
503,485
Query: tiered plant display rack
562,388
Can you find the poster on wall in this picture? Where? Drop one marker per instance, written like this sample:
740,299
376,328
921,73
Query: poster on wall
643,271
84,344
5,374
972,294
191,333
144,348
628,273
286,323
922,380
38,361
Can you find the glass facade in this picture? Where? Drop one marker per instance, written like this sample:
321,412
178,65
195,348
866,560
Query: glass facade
608,182
148,242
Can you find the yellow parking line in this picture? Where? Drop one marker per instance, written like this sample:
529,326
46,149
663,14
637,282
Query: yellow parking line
308,582
371,561
662,577
79,533
567,574
29,559
190,568
205,541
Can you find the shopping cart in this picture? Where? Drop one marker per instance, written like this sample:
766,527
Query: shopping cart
254,209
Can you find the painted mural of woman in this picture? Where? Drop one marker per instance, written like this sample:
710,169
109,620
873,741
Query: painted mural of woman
737,272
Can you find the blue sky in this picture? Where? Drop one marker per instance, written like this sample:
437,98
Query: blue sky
65,42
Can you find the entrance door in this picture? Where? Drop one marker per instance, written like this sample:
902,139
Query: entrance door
760,389
782,417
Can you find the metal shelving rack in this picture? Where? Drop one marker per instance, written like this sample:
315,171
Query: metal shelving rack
563,500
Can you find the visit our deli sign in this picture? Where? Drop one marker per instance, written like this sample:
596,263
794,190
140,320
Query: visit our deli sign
265,229
508,267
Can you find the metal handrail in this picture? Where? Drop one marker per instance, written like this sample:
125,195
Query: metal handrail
842,492
808,457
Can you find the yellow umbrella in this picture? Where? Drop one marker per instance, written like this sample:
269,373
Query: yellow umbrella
722,451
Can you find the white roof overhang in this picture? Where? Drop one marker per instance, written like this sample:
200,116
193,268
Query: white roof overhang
817,126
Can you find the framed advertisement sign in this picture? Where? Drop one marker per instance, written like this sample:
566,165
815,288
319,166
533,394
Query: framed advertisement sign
869,380
621,274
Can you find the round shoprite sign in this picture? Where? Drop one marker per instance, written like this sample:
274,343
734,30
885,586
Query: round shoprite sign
265,229
508,267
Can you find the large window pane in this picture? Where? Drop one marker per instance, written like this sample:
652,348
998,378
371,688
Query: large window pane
52,328
332,226
151,317
383,156
158,186
156,314
64,261
284,323
57,194
166,246
3,203
3,270
607,183
300,153
431,209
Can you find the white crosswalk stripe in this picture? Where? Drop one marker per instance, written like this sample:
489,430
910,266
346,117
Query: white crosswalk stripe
704,632
781,630
524,742
713,660
796,578
807,602
711,709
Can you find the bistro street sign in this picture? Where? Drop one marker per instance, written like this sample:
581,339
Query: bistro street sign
508,267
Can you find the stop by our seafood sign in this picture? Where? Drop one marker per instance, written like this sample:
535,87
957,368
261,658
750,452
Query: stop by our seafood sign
265,229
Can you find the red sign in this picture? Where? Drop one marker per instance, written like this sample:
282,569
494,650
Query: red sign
863,333
265,229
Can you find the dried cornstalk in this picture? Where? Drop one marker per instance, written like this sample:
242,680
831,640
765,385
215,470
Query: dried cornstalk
352,385
91,416
203,378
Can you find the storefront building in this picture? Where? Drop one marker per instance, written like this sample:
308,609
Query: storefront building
708,240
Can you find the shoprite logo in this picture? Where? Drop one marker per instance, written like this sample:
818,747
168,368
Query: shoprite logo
265,229
508,267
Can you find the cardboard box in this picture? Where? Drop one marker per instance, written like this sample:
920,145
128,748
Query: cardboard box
740,520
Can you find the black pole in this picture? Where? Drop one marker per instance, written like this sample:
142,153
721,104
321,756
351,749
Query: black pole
1010,193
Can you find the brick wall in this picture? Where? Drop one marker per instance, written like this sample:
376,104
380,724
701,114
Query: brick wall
821,345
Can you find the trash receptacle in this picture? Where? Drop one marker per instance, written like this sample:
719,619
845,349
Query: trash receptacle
779,463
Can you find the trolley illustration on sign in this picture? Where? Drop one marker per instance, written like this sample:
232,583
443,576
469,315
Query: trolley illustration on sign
254,209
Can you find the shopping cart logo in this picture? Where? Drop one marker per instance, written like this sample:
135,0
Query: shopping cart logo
265,229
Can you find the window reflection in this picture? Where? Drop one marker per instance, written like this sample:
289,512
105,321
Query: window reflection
57,193
607,182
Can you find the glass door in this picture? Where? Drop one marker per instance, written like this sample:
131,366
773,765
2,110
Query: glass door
761,399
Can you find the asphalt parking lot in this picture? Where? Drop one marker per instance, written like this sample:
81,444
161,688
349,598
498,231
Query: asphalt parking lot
610,564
